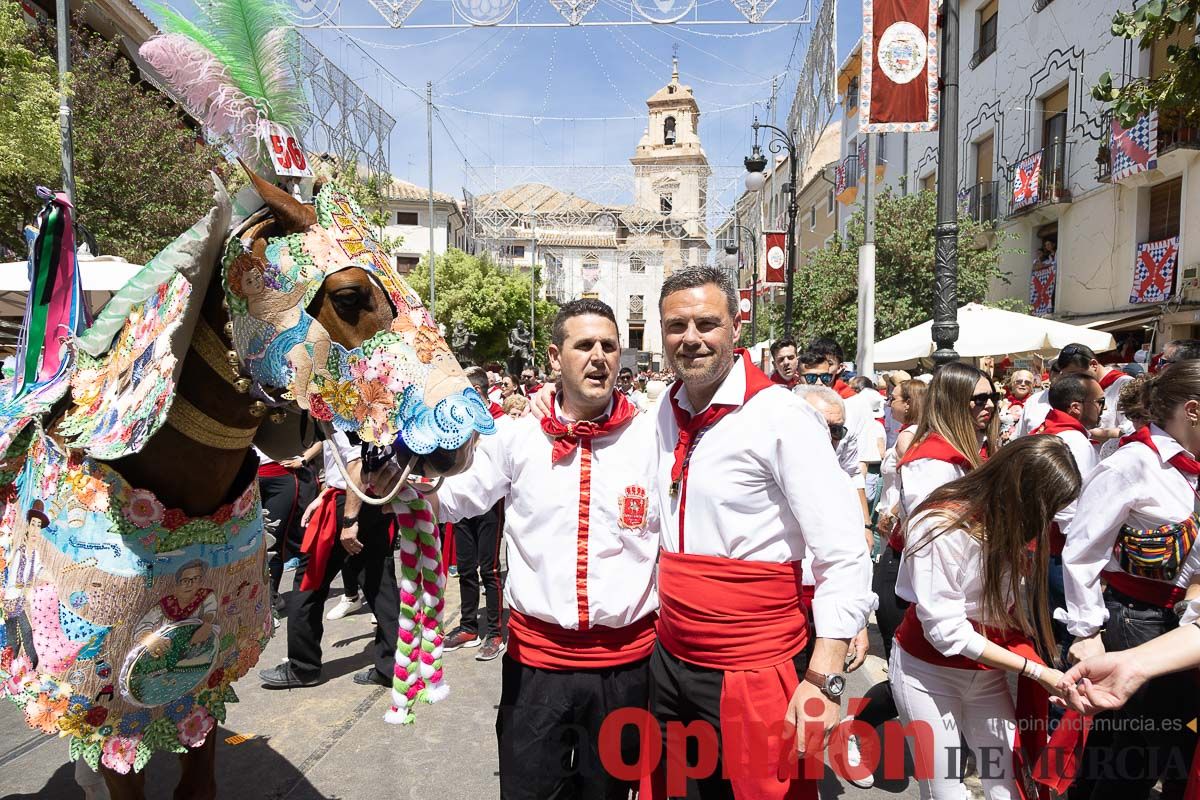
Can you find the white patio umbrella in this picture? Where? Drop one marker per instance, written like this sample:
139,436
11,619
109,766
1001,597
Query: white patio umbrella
987,331
101,276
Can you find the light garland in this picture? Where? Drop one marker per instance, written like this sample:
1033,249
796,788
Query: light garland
688,75
508,57
588,38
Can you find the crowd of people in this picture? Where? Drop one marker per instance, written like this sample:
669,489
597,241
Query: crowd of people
707,545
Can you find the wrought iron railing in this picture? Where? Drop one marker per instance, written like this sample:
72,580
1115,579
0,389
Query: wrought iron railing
983,202
1041,178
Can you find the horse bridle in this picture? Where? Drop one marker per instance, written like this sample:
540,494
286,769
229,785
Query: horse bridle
362,495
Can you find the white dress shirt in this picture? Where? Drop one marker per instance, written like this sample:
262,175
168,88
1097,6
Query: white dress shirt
546,543
1112,417
1037,408
849,449
943,578
763,485
918,479
889,470
1133,486
1086,459
334,478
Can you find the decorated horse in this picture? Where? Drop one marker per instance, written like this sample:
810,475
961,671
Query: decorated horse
132,543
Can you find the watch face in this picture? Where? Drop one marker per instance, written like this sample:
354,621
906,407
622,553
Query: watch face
836,684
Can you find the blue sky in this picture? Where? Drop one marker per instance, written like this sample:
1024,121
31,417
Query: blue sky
565,72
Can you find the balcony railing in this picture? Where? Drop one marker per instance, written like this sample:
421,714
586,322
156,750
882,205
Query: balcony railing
983,202
1174,134
986,48
1037,184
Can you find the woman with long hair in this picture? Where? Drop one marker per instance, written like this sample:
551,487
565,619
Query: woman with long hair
905,402
1128,562
979,611
956,430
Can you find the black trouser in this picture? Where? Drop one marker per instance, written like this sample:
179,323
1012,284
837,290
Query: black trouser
284,499
376,572
477,545
683,692
548,729
1129,750
881,705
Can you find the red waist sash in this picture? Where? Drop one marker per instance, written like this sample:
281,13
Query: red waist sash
1058,539
1050,760
1156,593
319,539
544,645
896,537
273,470
752,637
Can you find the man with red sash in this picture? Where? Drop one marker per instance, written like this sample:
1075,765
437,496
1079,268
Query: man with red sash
1076,402
747,485
785,360
583,539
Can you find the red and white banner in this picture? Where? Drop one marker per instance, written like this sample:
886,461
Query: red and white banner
776,250
745,304
899,86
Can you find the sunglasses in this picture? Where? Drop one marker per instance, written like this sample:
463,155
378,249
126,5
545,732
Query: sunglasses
837,432
981,400
1020,381
813,378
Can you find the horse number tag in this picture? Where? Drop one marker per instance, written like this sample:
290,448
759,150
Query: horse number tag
287,156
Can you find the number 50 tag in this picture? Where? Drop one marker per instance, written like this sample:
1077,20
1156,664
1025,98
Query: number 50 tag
287,156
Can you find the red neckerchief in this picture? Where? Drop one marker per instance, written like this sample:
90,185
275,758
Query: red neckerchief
496,410
935,446
843,389
175,613
1111,377
1180,461
1058,421
1013,401
567,435
691,425
777,378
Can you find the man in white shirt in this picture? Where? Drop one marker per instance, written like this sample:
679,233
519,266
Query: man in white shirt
817,369
746,487
1080,359
583,539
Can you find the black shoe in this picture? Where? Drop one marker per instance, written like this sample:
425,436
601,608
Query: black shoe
493,646
371,677
284,677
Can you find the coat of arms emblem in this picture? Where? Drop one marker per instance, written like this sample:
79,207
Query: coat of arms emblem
632,508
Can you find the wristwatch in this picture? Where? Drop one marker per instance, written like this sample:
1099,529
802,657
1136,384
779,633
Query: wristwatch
348,521
832,686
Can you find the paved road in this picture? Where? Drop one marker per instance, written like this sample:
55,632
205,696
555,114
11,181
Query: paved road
331,741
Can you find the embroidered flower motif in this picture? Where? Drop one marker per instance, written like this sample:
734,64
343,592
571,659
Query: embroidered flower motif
96,716
19,676
173,518
244,504
143,509
134,723
75,726
194,728
43,712
78,705
93,494
120,753
180,708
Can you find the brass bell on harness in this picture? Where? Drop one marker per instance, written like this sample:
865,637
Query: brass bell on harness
233,358
229,329
258,409
278,416
242,385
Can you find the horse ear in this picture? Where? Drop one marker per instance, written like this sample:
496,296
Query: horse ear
292,215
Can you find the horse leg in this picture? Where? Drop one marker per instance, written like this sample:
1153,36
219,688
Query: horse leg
198,776
130,786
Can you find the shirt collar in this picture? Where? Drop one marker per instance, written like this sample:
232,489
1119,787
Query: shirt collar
731,392
1166,445
563,418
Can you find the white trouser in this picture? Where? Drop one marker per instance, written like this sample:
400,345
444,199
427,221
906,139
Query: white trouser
975,705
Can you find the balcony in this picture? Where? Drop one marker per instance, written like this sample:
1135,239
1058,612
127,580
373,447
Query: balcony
1175,134
845,180
982,202
1041,179
987,46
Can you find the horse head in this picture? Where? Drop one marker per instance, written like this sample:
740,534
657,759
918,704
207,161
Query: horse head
319,311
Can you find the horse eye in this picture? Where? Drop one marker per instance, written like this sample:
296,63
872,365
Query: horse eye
349,299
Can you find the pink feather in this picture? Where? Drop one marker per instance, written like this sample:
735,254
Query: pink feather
205,88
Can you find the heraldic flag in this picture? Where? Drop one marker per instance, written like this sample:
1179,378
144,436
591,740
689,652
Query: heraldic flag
899,75
1154,271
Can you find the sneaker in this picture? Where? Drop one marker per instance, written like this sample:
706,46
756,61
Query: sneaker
344,606
373,620
854,759
453,571
460,637
493,646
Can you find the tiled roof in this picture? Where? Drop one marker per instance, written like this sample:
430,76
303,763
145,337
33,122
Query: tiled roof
537,198
577,240
403,190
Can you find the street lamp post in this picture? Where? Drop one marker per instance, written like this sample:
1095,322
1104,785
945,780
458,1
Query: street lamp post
945,256
731,251
755,164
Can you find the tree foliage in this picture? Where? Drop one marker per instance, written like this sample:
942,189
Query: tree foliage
1175,92
488,298
28,103
826,284
141,173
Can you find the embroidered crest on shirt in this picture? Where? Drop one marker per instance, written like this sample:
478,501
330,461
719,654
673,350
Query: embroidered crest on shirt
633,508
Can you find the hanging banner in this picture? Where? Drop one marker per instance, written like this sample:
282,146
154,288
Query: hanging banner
1041,286
1027,180
1154,271
745,304
1134,149
899,86
776,250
